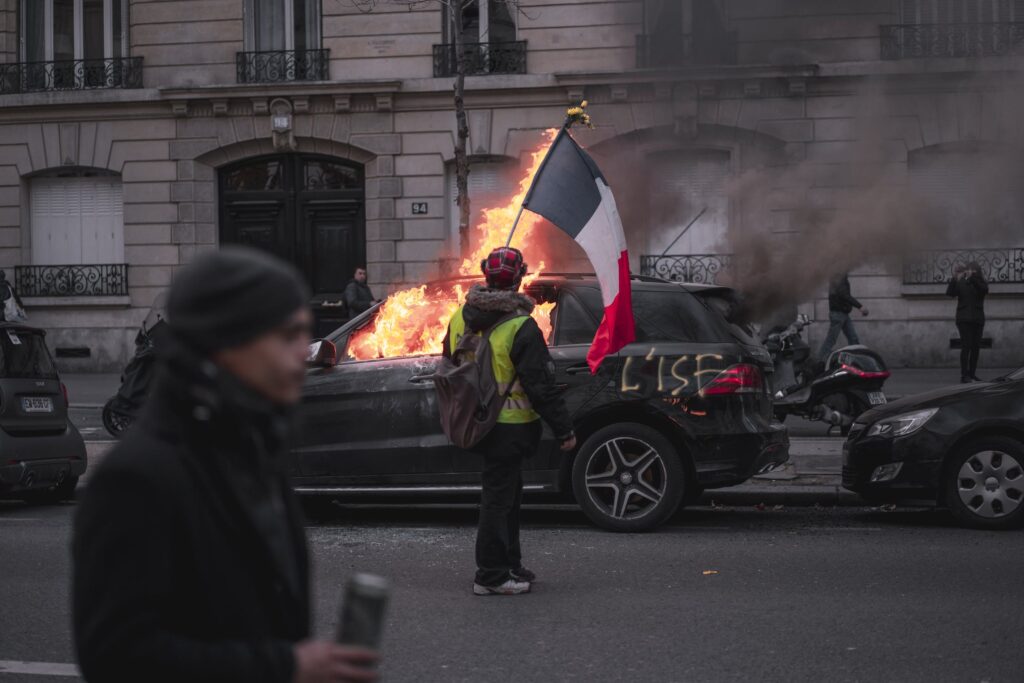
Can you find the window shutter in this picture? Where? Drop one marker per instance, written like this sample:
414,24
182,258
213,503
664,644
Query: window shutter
489,185
682,183
77,220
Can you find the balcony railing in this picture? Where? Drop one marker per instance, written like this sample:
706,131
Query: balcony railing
1003,265
82,74
481,58
909,41
282,65
660,52
74,280
699,268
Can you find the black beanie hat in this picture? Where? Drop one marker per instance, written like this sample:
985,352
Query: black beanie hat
228,297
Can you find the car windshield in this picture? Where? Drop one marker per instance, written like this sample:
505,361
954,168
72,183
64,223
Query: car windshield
23,355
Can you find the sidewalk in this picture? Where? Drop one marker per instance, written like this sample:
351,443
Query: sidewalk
90,390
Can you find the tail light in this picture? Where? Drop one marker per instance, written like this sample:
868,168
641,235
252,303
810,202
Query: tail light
736,379
866,374
64,390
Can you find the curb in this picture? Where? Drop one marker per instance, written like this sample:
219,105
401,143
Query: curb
793,495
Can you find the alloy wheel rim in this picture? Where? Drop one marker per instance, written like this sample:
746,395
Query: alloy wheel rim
991,484
626,478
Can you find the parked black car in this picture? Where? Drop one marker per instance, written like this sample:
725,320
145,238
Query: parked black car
684,408
42,453
962,447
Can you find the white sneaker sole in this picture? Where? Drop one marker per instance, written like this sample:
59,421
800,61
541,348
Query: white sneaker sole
484,590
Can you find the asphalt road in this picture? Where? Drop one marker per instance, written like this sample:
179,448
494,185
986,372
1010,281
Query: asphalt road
725,594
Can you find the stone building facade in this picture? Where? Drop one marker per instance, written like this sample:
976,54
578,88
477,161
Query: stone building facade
192,123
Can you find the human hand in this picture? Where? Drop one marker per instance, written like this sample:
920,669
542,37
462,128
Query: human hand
568,444
863,310
321,661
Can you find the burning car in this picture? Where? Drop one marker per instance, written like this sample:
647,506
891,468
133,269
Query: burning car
684,408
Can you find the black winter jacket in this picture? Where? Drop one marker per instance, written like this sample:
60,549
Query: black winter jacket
534,367
970,298
189,551
358,297
840,298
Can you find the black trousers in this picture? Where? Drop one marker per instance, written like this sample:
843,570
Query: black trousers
970,347
497,535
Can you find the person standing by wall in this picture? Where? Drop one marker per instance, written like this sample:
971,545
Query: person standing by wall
11,309
189,552
841,303
358,297
523,367
968,287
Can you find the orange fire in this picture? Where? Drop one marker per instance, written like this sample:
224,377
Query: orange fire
414,321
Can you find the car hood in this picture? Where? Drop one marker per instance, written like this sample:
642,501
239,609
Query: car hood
935,398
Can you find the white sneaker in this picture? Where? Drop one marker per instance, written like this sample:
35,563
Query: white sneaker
510,587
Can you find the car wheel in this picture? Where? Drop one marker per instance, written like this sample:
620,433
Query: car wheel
64,490
628,477
985,483
115,422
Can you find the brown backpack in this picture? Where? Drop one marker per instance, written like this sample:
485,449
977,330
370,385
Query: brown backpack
467,390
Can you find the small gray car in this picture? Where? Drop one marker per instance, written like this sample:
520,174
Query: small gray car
42,455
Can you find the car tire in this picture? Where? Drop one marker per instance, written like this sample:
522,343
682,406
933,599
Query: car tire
114,421
628,477
65,490
984,483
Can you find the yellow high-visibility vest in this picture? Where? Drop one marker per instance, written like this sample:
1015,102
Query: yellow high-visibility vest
517,408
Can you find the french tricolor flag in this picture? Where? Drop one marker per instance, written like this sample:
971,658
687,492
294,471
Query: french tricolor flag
570,191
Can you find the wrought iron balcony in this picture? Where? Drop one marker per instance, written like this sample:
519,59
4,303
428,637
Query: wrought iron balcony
660,52
909,41
283,65
699,268
481,58
74,280
1003,265
81,74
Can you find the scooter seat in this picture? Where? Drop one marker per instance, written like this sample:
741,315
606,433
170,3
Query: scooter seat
800,396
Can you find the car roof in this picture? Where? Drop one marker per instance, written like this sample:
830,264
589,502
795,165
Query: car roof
638,282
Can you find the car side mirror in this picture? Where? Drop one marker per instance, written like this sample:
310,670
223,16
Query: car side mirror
322,354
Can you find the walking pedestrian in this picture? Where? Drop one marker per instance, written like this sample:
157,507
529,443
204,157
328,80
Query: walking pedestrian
841,303
523,368
968,287
357,294
189,552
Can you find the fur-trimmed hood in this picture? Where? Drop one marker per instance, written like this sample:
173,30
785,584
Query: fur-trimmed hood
485,306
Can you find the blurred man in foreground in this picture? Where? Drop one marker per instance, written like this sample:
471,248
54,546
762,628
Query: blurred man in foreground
189,551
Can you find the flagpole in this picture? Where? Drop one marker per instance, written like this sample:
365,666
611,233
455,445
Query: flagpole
515,224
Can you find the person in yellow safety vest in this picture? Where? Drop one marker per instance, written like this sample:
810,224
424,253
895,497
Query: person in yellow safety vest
521,361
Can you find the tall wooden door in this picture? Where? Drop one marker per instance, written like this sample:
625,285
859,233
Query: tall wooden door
306,209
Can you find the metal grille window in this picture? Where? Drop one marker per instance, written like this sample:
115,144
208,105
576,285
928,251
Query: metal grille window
282,42
955,28
72,44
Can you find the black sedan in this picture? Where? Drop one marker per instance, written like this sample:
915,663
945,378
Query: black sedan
962,447
684,408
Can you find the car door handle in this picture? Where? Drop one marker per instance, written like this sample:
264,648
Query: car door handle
561,388
421,379
577,369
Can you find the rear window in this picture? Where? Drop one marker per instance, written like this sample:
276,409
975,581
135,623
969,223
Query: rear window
725,303
23,355
668,315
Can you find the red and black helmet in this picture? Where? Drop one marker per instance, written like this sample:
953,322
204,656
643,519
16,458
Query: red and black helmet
504,268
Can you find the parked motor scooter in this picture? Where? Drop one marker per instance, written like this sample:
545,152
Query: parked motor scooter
123,408
836,391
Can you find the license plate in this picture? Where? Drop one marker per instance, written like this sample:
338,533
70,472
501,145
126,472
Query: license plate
876,398
37,404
